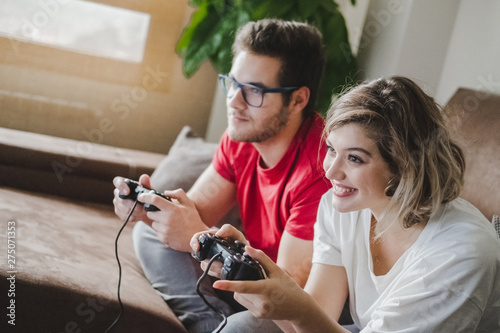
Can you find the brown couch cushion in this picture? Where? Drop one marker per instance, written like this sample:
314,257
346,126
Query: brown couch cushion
69,168
67,274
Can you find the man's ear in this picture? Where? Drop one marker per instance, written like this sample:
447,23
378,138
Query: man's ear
300,98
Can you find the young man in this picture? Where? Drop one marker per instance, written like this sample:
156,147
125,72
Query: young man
268,163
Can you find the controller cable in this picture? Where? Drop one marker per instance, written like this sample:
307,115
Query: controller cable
205,273
120,268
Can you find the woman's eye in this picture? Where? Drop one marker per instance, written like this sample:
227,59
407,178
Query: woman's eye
355,159
330,149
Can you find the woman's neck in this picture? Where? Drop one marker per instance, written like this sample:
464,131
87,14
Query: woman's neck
391,244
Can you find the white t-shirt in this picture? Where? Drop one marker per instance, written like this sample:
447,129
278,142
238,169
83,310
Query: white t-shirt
447,281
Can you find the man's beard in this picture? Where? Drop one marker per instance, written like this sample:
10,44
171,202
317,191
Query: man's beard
271,127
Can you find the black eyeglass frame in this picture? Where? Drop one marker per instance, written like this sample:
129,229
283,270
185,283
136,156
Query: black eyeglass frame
263,91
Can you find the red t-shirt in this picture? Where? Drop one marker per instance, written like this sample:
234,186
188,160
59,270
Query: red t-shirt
285,197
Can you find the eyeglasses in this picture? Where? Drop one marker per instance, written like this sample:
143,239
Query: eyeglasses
252,95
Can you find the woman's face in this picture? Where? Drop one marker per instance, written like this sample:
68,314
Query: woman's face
358,172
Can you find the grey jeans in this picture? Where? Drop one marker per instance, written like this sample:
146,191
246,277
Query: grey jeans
244,322
174,275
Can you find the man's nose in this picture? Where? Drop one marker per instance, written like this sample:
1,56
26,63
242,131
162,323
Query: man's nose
236,99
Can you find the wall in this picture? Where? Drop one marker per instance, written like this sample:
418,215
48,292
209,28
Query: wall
140,106
442,45
473,57
407,38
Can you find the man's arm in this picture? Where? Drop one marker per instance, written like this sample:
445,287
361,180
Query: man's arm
213,196
210,198
295,257
328,285
294,252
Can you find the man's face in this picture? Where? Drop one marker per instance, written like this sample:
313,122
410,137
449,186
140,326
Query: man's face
247,123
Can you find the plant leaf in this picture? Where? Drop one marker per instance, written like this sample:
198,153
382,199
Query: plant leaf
187,35
212,38
274,8
306,8
223,56
213,26
204,41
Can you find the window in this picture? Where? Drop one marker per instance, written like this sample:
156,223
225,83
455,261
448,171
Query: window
79,26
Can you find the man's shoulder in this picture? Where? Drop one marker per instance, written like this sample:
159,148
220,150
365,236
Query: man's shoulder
310,149
315,124
310,135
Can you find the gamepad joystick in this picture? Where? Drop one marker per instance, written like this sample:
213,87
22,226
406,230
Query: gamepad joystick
136,189
238,265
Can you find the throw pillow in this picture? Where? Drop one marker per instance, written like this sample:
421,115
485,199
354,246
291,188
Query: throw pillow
186,160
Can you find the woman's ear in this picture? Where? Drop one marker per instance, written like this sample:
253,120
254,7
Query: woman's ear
300,98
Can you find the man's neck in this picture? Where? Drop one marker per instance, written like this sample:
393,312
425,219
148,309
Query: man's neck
273,150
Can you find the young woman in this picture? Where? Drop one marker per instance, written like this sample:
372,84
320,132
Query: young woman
392,234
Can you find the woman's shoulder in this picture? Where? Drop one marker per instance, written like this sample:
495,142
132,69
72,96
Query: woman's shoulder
459,216
460,229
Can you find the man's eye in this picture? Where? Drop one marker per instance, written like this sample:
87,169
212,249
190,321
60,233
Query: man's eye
254,90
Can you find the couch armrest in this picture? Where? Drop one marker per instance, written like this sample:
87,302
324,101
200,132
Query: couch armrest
73,169
475,120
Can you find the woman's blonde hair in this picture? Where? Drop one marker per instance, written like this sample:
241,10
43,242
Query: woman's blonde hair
410,132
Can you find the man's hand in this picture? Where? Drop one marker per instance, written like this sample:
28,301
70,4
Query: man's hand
176,221
123,206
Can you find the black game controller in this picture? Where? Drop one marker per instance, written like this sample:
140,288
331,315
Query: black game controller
238,265
136,189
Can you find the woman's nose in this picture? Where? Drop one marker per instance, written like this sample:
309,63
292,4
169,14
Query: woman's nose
333,168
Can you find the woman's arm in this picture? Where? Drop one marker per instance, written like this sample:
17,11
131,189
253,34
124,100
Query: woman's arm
279,297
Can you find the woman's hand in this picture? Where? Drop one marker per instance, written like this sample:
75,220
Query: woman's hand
280,298
227,232
277,297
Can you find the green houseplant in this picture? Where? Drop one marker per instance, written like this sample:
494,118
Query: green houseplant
210,35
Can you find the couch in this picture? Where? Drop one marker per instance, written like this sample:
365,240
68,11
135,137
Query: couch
59,227
56,200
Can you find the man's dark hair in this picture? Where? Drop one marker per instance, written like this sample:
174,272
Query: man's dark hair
299,47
